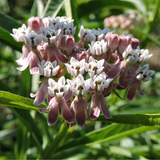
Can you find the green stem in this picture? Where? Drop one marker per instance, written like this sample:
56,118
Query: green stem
53,145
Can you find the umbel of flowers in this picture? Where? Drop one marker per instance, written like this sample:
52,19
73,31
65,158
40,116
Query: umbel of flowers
110,62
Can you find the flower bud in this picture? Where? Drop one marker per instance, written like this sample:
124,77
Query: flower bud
123,43
134,42
67,44
34,23
112,40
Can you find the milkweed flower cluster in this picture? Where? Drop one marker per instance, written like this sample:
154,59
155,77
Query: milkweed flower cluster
110,62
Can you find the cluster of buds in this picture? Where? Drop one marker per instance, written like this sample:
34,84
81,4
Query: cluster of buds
110,62
121,22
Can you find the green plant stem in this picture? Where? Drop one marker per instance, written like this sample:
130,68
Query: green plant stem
52,146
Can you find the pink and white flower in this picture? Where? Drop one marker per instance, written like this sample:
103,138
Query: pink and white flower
76,67
48,68
98,48
79,106
57,104
18,33
94,67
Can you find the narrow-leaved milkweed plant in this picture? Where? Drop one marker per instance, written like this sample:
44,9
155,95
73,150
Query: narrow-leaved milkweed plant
111,62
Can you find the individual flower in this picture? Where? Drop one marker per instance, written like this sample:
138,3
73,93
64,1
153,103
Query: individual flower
48,68
98,48
143,73
32,60
68,29
79,106
144,55
47,21
99,82
31,56
49,35
94,67
84,34
57,104
133,82
18,33
75,67
98,102
131,56
96,35
78,86
33,39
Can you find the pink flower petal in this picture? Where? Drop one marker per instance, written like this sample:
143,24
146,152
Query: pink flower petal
132,91
23,59
66,112
49,98
53,112
25,65
49,54
114,73
68,95
34,69
104,107
42,110
122,77
108,90
94,107
113,65
80,114
40,95
139,89
59,55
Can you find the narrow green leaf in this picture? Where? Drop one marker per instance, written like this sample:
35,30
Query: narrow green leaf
124,152
6,134
52,8
139,5
135,119
7,39
94,5
32,127
37,8
72,150
40,8
140,111
96,135
13,100
155,10
21,145
25,83
50,148
8,23
144,148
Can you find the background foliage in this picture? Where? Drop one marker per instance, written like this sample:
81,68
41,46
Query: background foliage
132,133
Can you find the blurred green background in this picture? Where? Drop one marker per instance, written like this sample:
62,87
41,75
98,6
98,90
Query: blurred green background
25,134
